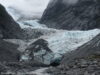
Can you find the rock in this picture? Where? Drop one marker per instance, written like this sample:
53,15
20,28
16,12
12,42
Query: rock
82,69
8,27
8,52
3,68
38,51
37,32
72,16
86,73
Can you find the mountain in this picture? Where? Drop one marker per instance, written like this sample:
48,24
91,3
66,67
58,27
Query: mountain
88,49
72,15
8,27
8,52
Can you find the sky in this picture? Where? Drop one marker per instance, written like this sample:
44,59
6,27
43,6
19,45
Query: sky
27,7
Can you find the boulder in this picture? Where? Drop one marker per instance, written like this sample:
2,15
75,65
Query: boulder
38,51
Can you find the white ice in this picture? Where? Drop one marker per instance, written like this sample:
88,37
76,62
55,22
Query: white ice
39,72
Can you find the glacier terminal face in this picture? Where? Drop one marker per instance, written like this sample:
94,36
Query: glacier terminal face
65,41
61,41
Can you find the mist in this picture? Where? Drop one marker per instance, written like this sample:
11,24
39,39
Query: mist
29,8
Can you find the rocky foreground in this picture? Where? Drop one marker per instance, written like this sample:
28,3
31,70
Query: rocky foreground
89,66
20,69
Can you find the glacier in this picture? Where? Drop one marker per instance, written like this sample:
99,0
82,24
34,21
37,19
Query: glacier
60,41
31,24
65,41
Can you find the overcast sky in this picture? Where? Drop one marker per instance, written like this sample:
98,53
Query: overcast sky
27,7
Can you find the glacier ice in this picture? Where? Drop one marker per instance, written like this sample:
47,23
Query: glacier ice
64,41
61,41
31,24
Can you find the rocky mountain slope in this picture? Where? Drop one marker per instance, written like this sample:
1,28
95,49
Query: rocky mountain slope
8,52
8,27
88,49
72,15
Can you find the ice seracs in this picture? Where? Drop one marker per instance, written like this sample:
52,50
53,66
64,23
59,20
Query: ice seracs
63,41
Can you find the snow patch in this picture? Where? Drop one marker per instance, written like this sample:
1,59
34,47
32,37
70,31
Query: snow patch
40,72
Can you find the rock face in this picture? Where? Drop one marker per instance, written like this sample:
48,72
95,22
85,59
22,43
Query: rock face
85,51
8,27
8,52
38,51
72,15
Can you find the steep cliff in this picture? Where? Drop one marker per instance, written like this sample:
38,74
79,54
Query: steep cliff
72,15
8,27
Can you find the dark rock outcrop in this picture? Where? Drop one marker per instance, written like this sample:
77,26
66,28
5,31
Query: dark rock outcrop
39,45
81,67
70,15
8,27
38,51
8,52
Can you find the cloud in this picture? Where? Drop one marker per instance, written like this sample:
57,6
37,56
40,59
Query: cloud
27,7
